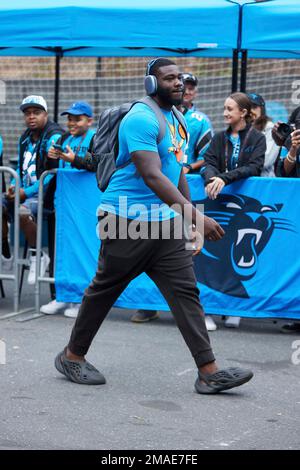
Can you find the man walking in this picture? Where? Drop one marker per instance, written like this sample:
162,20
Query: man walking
153,178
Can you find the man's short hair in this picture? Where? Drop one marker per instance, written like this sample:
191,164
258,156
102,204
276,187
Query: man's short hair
155,64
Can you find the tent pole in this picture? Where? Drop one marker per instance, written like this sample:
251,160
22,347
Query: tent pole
58,55
243,84
235,68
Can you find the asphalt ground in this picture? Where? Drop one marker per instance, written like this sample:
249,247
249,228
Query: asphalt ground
149,400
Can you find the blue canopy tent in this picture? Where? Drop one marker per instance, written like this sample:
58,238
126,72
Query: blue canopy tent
271,29
93,27
120,28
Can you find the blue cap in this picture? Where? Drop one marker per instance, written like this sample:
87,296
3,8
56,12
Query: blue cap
256,99
78,108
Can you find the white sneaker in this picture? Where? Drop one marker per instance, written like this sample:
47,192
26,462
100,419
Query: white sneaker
232,322
72,312
53,307
7,263
210,324
45,260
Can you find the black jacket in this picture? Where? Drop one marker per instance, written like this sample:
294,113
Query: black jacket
3,180
250,161
42,161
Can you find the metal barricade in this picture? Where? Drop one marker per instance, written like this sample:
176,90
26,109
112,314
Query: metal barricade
15,276
17,262
39,279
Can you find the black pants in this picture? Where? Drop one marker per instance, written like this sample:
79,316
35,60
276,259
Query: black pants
168,264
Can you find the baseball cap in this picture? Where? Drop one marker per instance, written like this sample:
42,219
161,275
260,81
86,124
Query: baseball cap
34,101
256,100
189,77
78,108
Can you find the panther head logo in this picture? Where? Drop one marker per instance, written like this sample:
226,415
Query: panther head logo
249,225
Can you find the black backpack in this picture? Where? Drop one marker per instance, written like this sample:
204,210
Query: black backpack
106,145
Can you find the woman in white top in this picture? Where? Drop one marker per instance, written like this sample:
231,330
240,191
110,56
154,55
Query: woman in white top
264,124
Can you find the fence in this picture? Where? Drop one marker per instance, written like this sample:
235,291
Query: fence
107,81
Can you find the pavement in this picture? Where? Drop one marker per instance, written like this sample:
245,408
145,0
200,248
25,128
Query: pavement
149,400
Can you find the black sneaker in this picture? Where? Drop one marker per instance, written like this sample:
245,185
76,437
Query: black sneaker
142,316
221,380
293,327
80,372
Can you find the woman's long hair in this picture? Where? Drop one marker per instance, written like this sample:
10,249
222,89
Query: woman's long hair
261,122
243,102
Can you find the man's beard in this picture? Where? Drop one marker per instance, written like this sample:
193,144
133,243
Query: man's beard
167,97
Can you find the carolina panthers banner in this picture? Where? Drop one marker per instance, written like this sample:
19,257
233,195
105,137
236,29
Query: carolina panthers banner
254,271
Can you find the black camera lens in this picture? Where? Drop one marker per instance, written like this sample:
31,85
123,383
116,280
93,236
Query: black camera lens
284,130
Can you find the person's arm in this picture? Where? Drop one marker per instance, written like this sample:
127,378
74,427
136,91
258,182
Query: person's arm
183,186
52,162
252,168
276,136
272,151
201,142
211,166
88,162
289,163
148,165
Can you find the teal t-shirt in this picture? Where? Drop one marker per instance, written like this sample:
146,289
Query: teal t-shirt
79,145
127,195
200,132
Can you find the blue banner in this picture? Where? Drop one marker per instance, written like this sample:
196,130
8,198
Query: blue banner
254,271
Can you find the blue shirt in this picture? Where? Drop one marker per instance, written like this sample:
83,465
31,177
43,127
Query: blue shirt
200,132
1,149
79,145
236,143
138,131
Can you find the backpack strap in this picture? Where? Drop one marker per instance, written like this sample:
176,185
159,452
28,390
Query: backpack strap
161,121
147,100
159,115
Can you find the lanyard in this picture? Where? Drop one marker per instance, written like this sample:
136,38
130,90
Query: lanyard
240,151
177,145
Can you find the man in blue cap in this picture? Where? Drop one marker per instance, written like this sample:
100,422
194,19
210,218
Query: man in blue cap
70,150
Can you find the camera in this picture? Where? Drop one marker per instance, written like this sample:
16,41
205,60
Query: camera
284,131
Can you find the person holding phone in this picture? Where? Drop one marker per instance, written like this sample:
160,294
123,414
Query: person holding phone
69,151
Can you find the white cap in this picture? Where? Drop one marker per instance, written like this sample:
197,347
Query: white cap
35,101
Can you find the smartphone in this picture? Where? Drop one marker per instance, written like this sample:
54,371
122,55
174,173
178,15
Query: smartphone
58,147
